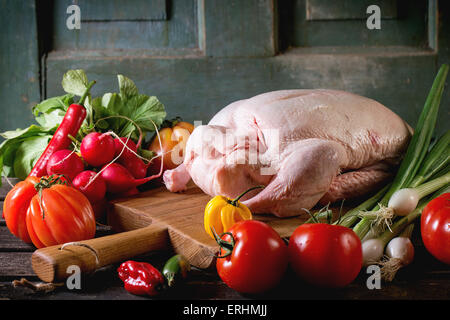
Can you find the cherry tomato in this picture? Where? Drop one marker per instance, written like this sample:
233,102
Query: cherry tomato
173,141
16,205
257,260
325,255
435,227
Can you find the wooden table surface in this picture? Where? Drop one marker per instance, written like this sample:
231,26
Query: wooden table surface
425,279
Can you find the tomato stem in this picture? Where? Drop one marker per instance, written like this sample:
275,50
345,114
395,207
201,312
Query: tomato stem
312,218
228,246
45,183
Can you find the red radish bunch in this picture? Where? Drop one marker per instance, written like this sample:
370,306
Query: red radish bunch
93,189
119,180
65,162
129,159
114,168
118,169
98,149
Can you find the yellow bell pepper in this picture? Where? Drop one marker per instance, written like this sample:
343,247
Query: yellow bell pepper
221,213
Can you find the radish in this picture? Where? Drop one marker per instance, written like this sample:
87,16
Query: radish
93,189
129,158
120,143
119,180
65,162
97,149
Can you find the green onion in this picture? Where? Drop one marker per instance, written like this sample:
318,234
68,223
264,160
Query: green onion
351,216
417,149
421,138
436,159
373,249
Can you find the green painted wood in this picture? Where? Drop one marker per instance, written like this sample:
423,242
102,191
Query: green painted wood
409,29
237,28
178,31
19,63
348,9
196,88
130,10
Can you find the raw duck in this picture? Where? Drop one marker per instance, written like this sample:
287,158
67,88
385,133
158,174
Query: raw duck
305,146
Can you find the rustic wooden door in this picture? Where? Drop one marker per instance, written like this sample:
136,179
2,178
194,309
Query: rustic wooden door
199,55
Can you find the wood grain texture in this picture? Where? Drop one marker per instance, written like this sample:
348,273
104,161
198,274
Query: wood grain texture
19,63
348,9
182,213
9,243
51,263
15,264
335,23
240,28
132,27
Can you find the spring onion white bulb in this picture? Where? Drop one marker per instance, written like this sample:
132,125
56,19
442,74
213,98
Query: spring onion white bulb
400,253
404,201
401,248
373,250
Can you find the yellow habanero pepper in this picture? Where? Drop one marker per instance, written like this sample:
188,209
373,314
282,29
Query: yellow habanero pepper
221,213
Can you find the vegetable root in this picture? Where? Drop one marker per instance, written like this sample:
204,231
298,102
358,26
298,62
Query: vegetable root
399,253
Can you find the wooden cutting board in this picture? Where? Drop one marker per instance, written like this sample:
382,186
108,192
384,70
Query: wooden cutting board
154,220
182,213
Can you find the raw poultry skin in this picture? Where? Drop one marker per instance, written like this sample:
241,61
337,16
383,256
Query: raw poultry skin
304,146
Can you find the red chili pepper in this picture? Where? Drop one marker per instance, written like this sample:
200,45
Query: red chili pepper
141,278
71,123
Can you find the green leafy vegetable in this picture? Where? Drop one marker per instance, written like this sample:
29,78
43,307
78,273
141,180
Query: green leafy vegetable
126,112
75,82
28,153
21,150
49,113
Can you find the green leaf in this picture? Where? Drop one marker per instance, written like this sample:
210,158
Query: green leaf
14,140
144,111
28,153
51,120
8,158
32,130
75,82
46,106
147,154
49,113
100,112
127,87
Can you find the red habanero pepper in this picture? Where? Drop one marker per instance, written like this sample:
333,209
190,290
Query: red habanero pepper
141,278
71,123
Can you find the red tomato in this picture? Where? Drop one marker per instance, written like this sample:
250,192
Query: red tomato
173,141
62,214
435,227
16,205
325,255
67,214
258,259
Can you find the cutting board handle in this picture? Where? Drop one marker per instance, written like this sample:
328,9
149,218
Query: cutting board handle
52,264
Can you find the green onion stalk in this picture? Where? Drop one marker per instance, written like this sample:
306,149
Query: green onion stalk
417,150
